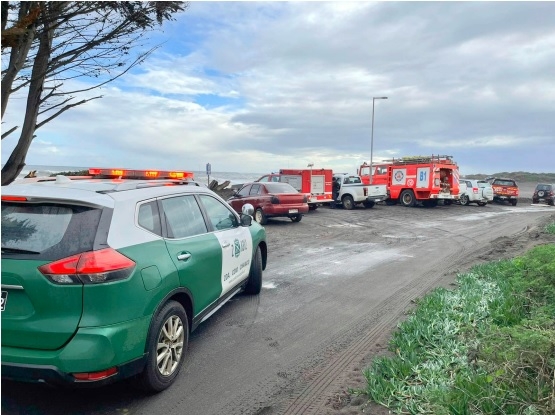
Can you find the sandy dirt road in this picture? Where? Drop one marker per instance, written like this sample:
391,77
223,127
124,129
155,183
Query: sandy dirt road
336,285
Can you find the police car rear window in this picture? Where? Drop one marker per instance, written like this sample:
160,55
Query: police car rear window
47,231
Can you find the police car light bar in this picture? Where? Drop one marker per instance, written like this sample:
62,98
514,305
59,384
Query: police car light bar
141,174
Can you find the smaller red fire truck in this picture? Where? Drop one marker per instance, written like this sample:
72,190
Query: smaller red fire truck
413,179
315,183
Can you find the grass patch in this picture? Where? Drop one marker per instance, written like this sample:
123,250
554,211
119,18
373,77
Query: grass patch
550,228
487,347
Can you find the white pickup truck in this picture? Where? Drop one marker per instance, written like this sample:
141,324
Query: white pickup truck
353,191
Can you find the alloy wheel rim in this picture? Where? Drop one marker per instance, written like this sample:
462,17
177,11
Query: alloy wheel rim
169,349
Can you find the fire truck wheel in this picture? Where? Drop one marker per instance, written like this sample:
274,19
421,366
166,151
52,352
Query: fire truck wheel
513,202
407,198
296,218
464,200
260,217
369,204
348,202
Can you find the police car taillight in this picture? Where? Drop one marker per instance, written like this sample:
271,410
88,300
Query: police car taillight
141,174
91,267
94,376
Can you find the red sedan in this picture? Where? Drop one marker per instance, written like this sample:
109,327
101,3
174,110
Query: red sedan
271,200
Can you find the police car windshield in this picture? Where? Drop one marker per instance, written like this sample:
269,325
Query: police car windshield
280,188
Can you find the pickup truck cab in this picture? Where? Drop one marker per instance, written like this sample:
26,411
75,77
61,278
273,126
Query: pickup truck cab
475,191
352,192
504,189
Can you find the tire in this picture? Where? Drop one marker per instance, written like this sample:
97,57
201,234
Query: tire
447,202
407,198
482,203
535,201
348,202
369,204
296,218
464,200
513,202
260,217
312,207
170,320
541,193
551,202
254,283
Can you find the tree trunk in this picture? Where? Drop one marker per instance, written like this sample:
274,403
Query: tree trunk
18,54
16,162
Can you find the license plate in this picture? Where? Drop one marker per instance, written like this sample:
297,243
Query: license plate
293,210
4,300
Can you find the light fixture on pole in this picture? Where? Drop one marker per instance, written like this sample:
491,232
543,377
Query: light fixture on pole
372,139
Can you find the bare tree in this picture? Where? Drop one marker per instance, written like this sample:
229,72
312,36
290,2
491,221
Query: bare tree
45,44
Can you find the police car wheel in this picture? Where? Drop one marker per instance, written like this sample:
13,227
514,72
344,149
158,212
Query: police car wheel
166,347
254,283
296,218
260,217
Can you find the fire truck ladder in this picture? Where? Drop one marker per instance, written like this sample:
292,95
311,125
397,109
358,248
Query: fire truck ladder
421,159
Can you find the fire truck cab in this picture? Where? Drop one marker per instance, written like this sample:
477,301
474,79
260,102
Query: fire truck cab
425,179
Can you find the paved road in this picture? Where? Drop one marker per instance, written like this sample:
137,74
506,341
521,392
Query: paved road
337,283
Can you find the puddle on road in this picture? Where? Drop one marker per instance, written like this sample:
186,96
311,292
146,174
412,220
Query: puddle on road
506,210
404,236
269,285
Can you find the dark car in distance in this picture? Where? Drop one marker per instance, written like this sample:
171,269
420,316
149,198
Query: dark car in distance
271,200
544,193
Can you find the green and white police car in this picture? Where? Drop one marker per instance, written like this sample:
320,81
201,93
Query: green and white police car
105,279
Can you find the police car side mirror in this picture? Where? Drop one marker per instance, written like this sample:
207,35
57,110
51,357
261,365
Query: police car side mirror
246,220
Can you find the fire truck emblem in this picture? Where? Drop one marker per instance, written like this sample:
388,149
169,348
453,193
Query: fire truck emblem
399,175
410,182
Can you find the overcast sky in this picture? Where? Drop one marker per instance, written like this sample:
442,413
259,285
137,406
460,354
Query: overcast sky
255,87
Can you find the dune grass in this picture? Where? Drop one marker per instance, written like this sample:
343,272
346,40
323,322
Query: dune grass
486,347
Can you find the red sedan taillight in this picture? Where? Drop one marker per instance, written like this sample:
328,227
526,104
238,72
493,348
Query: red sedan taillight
91,267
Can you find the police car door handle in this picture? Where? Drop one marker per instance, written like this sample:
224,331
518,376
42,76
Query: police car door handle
183,256
225,244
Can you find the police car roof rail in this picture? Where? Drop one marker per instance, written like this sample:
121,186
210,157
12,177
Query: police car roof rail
142,184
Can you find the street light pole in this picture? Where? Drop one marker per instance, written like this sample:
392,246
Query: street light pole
372,139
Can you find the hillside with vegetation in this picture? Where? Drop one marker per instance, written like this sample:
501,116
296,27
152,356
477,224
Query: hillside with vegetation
518,176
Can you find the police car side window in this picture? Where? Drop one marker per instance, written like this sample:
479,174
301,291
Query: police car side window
220,216
183,217
149,218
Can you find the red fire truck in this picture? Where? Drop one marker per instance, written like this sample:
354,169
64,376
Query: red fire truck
315,183
425,179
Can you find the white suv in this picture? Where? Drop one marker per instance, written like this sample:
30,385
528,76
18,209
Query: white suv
475,191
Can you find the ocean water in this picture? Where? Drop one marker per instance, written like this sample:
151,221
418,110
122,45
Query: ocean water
234,178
